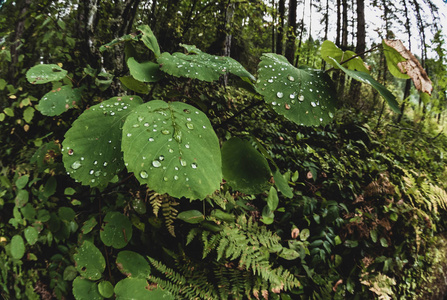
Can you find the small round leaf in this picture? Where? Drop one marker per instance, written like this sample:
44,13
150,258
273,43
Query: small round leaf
84,289
105,288
89,261
139,288
44,73
17,247
116,230
59,100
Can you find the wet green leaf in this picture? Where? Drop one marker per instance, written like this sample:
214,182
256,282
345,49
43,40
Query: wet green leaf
244,168
44,73
282,184
22,181
22,198
304,96
70,273
92,146
116,230
59,100
172,148
89,261
89,225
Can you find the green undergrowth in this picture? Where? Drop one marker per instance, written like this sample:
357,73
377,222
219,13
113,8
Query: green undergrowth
206,190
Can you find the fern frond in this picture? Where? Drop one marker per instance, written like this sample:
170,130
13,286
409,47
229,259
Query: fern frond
155,199
169,213
192,234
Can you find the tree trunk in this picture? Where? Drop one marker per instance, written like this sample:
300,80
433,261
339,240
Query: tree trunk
280,32
291,32
344,30
338,38
359,48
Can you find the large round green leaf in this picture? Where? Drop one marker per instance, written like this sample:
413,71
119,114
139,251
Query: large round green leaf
45,73
59,100
116,230
84,289
244,168
139,288
133,264
304,96
172,148
92,146
89,261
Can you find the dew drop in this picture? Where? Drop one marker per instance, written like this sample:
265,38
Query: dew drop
279,95
105,164
292,96
76,165
175,177
287,106
156,163
165,132
301,98
186,111
136,125
112,113
151,139
70,151
270,80
161,158
313,104
273,103
95,162
91,172
170,150
189,125
331,115
143,174
129,134
146,124
187,146
97,173
194,165
165,178
290,78
183,162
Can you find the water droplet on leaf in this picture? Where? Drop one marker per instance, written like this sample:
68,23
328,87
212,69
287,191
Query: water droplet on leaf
279,95
76,165
144,175
156,163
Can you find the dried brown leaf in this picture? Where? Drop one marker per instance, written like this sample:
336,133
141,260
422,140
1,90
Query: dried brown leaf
411,67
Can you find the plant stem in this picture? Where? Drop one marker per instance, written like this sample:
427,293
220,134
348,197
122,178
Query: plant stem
355,56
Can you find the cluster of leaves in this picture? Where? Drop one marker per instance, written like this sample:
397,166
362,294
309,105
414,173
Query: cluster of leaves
299,209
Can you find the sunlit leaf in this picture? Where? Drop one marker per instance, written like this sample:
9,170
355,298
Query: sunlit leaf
366,78
329,49
134,85
92,146
44,73
304,96
172,148
59,100
411,67
393,58
125,38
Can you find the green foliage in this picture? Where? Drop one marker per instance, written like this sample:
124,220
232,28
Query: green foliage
303,212
303,96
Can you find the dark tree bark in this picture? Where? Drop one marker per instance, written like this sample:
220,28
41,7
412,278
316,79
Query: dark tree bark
344,29
291,32
338,37
359,48
280,32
